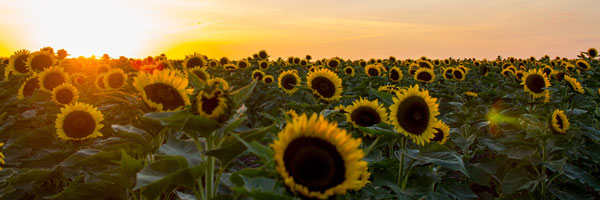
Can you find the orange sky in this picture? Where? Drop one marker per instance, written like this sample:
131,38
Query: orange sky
349,29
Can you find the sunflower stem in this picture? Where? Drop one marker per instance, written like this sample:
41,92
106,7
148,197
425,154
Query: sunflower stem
210,170
401,167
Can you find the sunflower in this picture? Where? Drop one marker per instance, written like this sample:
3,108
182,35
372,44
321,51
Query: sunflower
372,70
362,63
193,60
219,83
200,72
391,89
519,74
79,121
559,75
506,72
99,82
291,113
575,85
471,94
304,62
212,104
65,94
559,122
592,52
263,55
413,114
425,64
27,88
52,77
547,70
326,84
424,75
395,74
258,74
534,81
224,60
365,113
162,90
289,81
583,65
230,67
1,156
18,62
317,160
333,63
114,79
349,71
263,65
243,64
40,60
440,132
458,74
268,79
570,67
213,63
483,69
447,73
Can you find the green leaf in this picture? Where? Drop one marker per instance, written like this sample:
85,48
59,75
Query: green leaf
261,188
517,179
520,152
195,81
451,160
386,98
183,120
232,147
592,133
457,190
161,176
78,189
576,173
569,193
130,165
241,95
185,148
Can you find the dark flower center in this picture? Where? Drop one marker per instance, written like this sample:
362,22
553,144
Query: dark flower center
164,94
288,82
324,87
210,104
193,62
30,86
52,80
314,163
438,135
20,64
457,74
79,124
424,76
41,62
365,116
394,75
64,96
348,70
257,76
115,80
413,115
535,83
373,72
559,122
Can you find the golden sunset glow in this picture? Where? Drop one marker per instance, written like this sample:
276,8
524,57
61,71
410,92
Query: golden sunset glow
436,28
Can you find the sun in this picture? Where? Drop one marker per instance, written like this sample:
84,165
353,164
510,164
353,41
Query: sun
86,28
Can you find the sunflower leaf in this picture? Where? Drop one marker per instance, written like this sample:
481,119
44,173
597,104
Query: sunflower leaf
241,95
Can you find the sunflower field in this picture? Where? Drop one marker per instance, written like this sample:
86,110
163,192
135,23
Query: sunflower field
298,127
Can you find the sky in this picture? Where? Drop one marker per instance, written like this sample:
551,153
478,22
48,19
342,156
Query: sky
351,29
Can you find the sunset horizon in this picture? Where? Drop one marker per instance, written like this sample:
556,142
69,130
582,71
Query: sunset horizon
435,29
